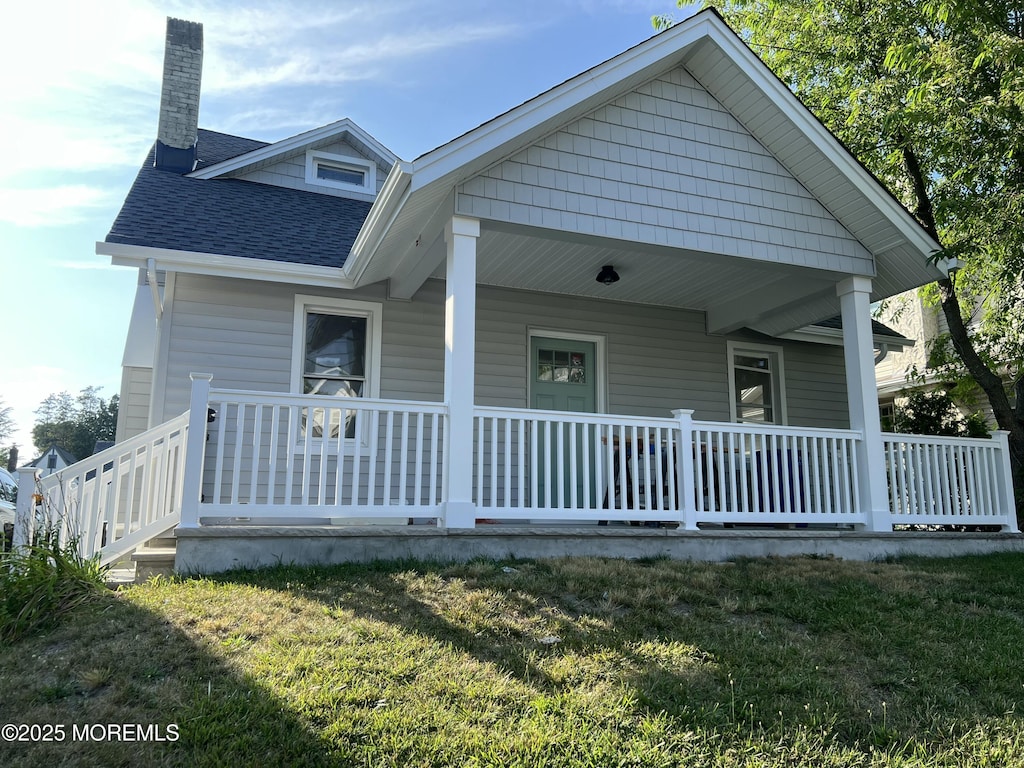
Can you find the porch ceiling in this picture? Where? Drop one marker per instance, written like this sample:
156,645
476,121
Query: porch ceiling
734,292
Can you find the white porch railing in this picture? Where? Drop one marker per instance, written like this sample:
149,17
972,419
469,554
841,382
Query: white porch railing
553,465
949,480
301,456
550,465
115,500
750,473
305,459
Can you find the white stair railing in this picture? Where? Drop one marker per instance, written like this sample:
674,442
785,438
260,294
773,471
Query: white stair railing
115,500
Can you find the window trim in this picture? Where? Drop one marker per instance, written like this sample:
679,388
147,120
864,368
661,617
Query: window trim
734,348
314,158
371,310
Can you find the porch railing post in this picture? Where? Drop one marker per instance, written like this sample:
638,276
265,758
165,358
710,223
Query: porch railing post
684,469
195,449
23,512
1006,499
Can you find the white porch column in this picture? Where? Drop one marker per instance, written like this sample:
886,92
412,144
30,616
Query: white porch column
862,393
460,235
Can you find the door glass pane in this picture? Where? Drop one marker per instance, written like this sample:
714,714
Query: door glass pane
561,366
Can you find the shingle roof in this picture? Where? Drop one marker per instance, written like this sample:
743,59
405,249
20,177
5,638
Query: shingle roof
66,456
232,217
877,328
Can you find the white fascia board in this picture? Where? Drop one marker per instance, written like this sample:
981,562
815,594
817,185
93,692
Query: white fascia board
292,144
515,127
191,262
383,212
814,334
767,82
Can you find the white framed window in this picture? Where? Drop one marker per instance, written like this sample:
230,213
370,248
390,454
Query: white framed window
341,172
336,354
757,391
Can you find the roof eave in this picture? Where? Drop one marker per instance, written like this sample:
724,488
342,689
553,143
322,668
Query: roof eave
219,265
834,337
389,203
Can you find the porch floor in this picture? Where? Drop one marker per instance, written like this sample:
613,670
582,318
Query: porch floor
214,549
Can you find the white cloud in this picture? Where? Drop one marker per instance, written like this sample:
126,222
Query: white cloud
54,206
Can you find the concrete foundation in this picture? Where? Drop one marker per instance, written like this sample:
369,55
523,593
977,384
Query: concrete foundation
221,548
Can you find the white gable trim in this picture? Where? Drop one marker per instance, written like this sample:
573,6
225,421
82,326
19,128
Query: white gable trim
766,81
293,144
387,242
167,260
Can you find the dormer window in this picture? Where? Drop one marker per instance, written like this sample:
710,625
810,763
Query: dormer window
341,172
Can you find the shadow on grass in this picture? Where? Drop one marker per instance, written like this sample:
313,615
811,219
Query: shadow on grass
114,663
915,659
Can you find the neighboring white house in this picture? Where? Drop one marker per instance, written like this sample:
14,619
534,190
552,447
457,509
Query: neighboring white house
665,255
53,459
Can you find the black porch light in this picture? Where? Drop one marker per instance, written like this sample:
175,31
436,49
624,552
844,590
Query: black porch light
607,275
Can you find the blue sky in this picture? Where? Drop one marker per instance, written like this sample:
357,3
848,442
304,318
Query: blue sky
81,82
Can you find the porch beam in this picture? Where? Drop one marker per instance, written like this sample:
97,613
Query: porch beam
460,236
862,394
421,258
766,298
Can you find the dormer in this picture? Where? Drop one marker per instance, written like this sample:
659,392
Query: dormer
339,159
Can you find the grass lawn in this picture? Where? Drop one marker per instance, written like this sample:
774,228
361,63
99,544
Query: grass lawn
575,662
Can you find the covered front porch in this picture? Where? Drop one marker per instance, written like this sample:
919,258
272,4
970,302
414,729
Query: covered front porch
244,462
244,476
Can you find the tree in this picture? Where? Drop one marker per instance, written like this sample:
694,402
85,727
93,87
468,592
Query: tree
929,96
6,428
75,423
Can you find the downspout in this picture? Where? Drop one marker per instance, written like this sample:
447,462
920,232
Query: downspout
882,353
158,302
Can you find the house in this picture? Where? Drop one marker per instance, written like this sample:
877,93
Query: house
906,369
52,460
612,303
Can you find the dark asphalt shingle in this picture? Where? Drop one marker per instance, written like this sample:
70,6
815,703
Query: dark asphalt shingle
232,217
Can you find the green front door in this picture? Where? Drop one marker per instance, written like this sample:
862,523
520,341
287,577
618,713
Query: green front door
564,378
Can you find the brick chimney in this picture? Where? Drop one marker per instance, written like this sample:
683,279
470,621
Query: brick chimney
179,98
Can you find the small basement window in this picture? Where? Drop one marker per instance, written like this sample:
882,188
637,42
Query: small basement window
341,172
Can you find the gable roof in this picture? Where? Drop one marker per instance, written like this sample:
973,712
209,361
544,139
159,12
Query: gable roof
316,138
64,455
232,217
411,207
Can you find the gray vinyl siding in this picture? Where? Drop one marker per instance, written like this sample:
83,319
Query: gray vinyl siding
241,332
291,172
666,165
657,358
133,401
816,386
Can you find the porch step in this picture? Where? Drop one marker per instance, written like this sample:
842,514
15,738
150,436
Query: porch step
163,541
153,561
